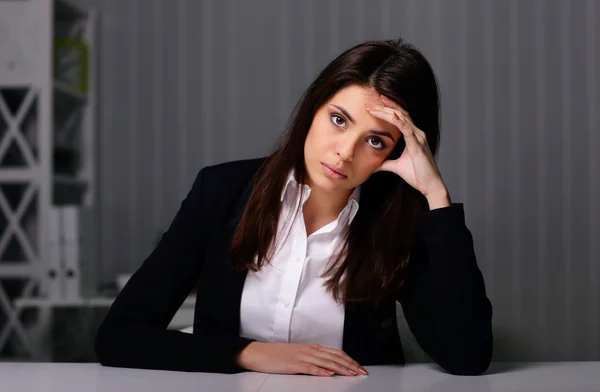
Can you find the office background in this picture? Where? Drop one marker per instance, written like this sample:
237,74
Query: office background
188,83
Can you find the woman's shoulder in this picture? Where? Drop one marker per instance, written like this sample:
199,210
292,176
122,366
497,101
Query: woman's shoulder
238,168
230,175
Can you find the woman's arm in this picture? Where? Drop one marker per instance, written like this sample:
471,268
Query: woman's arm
134,333
444,298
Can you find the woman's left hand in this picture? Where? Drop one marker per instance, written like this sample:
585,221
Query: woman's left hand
416,165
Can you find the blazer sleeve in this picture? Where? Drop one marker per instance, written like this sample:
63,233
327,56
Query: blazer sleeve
444,298
134,333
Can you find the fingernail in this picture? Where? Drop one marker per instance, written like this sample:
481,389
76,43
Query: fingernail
369,106
352,372
363,370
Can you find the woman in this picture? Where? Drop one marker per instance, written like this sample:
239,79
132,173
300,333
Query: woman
299,258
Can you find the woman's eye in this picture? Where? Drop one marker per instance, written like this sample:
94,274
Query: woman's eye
338,120
376,143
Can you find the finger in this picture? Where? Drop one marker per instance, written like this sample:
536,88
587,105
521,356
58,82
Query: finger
382,112
403,116
389,103
327,361
420,135
340,352
408,129
385,109
393,118
409,133
309,368
340,360
352,368
393,106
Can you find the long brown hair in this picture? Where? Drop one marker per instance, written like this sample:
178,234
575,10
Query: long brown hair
373,261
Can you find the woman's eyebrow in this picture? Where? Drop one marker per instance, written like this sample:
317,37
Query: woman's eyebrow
341,109
380,133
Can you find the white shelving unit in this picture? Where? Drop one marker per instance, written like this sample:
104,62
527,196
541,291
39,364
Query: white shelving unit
47,148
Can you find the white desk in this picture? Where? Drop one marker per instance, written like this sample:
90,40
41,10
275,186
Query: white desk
525,377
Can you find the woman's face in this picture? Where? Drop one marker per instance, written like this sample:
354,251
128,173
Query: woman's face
345,143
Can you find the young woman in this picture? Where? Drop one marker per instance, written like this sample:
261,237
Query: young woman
299,258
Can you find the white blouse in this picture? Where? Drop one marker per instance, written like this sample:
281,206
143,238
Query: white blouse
286,301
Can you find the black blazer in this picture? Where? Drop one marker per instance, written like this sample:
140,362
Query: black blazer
444,299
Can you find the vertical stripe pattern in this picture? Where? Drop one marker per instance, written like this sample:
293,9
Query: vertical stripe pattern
184,84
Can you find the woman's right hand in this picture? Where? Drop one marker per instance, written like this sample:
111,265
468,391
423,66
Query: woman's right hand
290,358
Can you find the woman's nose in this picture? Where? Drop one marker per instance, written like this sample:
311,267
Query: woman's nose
345,149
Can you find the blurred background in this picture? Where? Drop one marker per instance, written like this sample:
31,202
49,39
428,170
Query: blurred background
109,108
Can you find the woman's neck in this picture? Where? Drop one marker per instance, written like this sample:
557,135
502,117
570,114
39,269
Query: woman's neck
322,208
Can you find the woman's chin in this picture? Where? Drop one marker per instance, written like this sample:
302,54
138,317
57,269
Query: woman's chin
329,186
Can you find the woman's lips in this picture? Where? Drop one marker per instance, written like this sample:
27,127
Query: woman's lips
333,173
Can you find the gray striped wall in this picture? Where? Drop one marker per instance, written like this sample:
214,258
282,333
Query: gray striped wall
186,83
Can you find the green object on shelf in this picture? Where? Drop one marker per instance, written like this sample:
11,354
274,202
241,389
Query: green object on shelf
70,63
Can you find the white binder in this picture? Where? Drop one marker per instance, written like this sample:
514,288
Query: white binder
72,246
55,288
79,251
70,250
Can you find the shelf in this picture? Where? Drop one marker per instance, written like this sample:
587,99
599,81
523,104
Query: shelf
15,269
60,113
66,9
66,92
27,175
17,174
190,302
183,318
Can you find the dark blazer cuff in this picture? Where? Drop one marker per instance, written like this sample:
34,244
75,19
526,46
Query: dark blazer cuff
442,222
234,347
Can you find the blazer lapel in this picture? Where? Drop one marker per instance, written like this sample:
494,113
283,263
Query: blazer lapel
231,282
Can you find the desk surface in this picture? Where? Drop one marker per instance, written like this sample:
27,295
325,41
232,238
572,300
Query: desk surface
526,377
